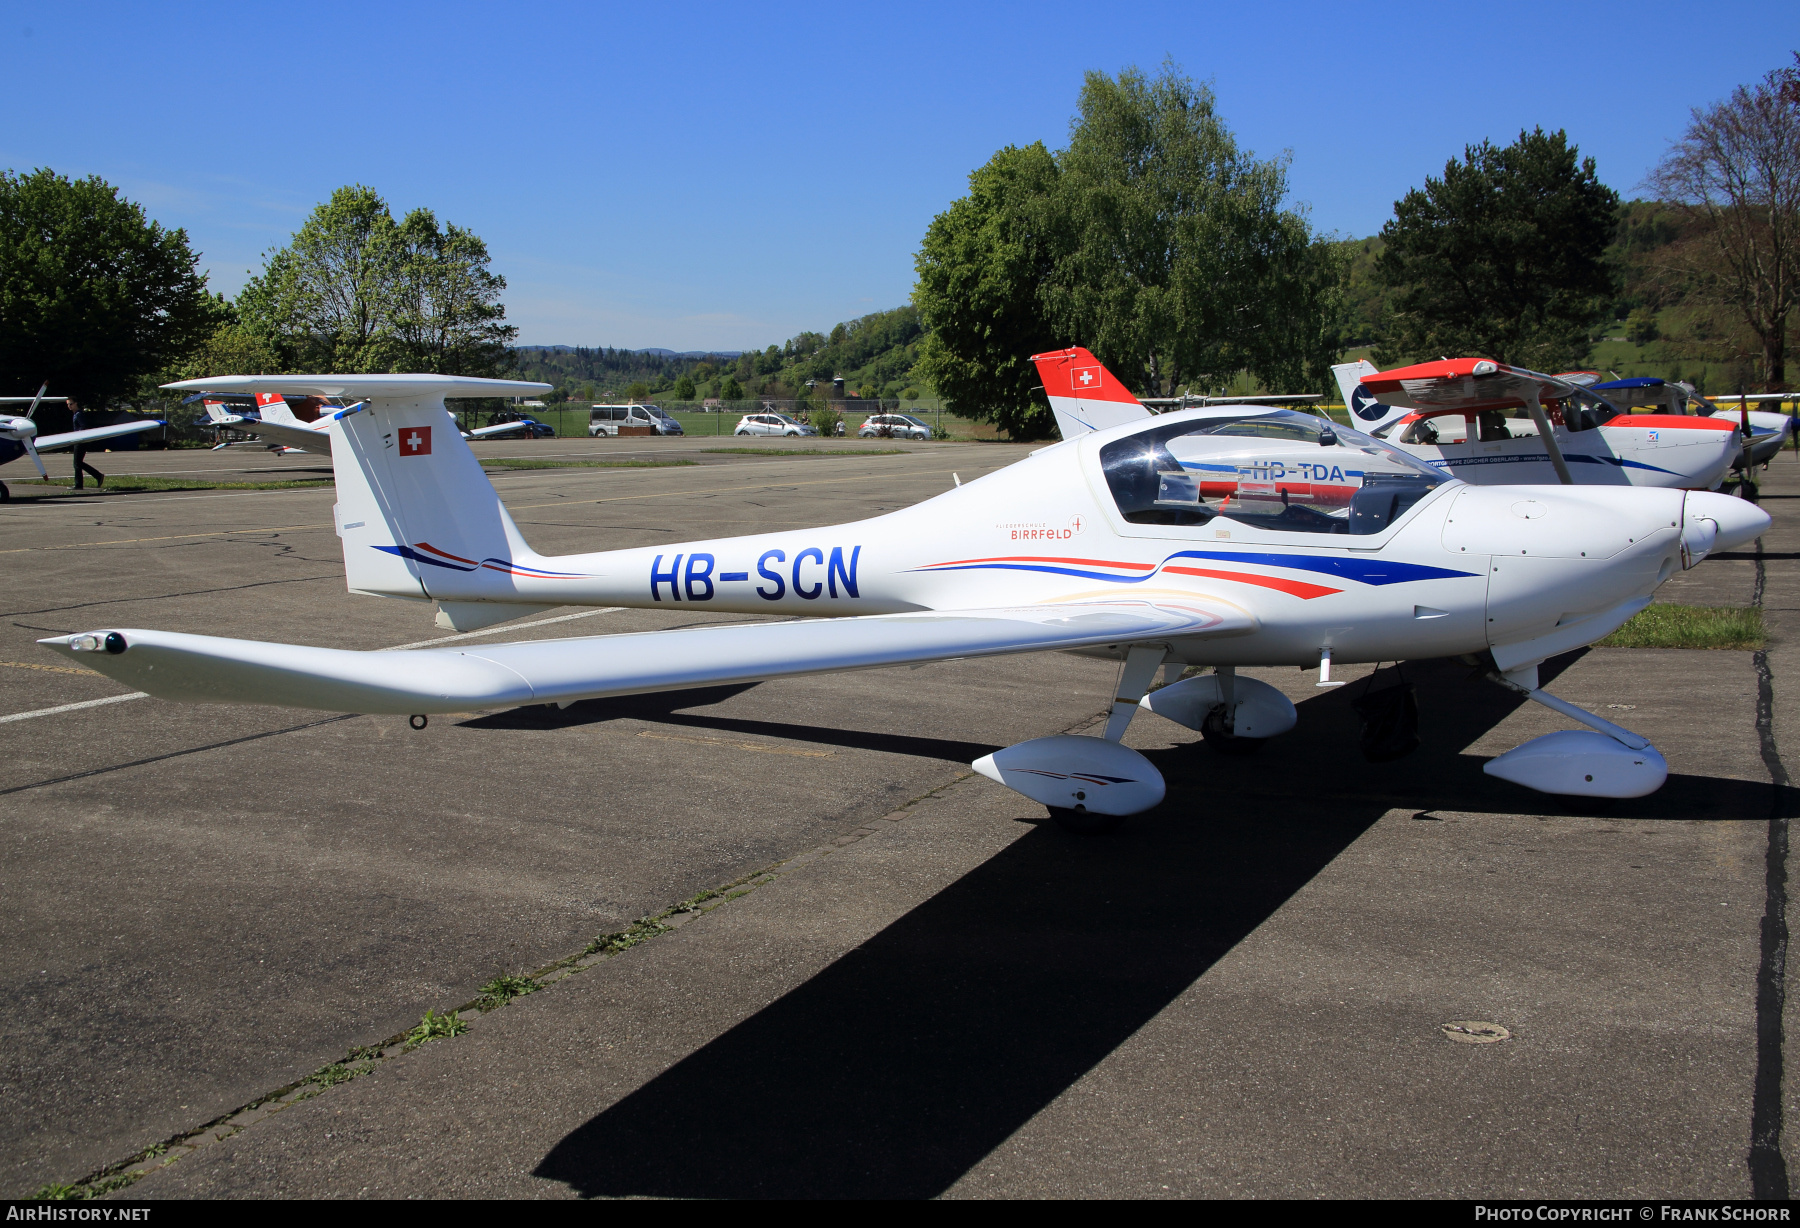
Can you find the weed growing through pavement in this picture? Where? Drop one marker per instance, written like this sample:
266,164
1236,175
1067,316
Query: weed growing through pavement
503,989
436,1027
624,940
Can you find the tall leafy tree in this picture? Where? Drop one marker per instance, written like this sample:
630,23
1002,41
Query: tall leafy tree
357,291
979,268
445,313
93,295
1182,265
1502,257
1734,177
1152,239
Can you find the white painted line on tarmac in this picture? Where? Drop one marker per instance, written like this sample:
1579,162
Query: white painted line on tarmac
86,703
542,622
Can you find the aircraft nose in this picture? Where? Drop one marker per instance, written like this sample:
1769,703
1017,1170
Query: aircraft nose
1739,520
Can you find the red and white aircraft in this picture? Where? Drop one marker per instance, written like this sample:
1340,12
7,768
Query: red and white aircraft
1459,415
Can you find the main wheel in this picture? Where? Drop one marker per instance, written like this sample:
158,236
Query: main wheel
741,432
1085,823
1221,739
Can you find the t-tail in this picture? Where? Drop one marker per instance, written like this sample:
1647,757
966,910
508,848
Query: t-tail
418,517
1083,394
1366,413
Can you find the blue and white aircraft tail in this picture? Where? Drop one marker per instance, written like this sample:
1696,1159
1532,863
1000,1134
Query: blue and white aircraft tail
1367,413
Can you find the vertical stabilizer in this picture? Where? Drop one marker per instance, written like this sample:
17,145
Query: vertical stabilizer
1366,413
417,515
1083,394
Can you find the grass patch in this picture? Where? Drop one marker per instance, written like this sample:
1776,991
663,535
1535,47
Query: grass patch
131,482
1687,626
434,1026
811,451
624,940
503,989
339,1072
506,462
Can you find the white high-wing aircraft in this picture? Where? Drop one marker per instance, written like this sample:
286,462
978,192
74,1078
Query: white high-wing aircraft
19,435
1453,414
308,428
1129,542
1763,432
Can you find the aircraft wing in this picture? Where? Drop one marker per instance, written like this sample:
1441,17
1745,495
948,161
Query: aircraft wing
500,429
304,438
68,439
1467,384
208,669
1207,402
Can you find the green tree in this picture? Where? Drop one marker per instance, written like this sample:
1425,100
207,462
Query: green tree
731,390
979,270
638,391
1182,265
1502,257
1152,239
1641,327
684,389
356,291
93,295
445,314
324,299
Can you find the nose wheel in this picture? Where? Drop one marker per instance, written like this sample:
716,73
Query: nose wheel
1084,823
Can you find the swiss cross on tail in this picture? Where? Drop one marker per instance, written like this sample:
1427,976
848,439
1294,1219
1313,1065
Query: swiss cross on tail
415,441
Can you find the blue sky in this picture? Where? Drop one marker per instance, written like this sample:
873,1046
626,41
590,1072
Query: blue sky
700,176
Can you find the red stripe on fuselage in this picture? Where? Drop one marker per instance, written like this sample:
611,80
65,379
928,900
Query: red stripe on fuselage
1039,558
1671,422
1298,588
446,554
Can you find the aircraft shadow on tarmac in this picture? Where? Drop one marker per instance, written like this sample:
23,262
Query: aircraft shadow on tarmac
664,708
898,1068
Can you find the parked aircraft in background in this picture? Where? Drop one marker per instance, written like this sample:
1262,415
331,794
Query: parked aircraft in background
1200,537
1454,414
1084,396
1762,432
19,434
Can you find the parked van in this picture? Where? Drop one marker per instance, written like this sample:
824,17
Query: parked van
607,419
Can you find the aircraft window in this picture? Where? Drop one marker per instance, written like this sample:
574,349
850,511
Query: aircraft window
1277,470
1585,410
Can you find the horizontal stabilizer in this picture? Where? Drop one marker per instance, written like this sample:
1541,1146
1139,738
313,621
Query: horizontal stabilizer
208,669
366,387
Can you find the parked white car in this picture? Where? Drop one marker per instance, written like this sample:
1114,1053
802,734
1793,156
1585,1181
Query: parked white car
772,424
607,419
893,426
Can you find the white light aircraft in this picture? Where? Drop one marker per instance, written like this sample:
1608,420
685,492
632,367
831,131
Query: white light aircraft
1762,431
19,435
1453,414
307,427
1327,544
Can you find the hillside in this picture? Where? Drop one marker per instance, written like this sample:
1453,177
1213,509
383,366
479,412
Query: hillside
1655,329
874,354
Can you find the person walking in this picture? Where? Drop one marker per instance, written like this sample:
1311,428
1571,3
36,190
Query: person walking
79,452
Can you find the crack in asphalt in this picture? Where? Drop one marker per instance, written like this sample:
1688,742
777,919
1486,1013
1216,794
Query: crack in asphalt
198,592
1768,1167
176,754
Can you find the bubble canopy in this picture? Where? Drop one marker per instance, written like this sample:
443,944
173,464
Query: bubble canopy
1272,469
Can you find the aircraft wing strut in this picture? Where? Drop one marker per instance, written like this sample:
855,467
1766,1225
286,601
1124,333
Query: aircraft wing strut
209,669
